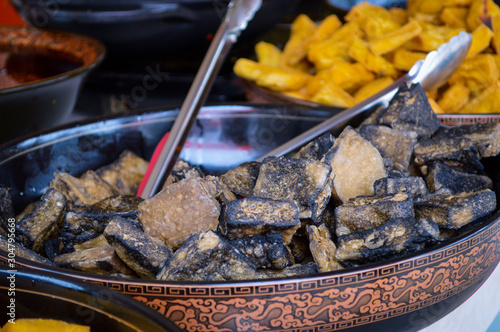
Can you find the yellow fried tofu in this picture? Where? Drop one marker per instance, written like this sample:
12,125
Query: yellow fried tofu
350,76
372,88
495,25
454,98
481,39
454,17
326,28
435,106
404,59
333,95
399,15
431,37
488,101
456,3
360,52
347,32
267,54
476,73
395,38
296,48
42,324
478,10
324,54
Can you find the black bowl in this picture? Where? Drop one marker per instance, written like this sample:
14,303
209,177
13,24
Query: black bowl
400,294
35,294
42,97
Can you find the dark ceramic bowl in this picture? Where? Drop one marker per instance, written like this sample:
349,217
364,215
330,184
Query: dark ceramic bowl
404,294
147,28
41,73
41,294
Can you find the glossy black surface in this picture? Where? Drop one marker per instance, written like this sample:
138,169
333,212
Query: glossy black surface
41,294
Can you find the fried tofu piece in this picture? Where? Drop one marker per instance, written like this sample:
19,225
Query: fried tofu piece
207,257
44,223
96,242
297,270
80,227
371,88
124,206
428,230
259,215
364,213
457,152
6,208
265,251
300,180
241,179
409,110
333,95
267,54
86,190
182,170
396,38
404,59
481,39
485,136
414,185
179,210
356,163
476,73
456,181
322,248
317,148
360,51
101,260
219,189
141,252
125,174
456,210
392,239
22,252
384,139
454,98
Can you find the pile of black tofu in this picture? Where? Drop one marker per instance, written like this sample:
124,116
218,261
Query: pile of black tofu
395,185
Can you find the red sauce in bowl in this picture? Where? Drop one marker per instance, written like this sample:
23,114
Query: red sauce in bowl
17,69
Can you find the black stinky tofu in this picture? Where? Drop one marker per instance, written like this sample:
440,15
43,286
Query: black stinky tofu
6,208
22,252
265,251
144,254
366,212
414,185
485,136
241,179
443,176
356,164
317,148
219,189
122,205
395,146
394,238
96,242
183,170
79,227
124,174
259,215
44,222
455,152
428,230
86,190
101,260
455,210
322,248
409,110
303,181
297,270
207,257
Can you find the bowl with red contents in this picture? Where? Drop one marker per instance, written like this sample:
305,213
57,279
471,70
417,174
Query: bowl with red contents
40,76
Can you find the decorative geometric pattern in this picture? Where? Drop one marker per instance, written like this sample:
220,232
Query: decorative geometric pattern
326,302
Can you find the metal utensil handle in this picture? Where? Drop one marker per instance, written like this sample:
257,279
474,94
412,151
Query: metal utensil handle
323,127
234,22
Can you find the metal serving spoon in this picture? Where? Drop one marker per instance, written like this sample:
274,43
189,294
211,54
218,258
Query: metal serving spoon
431,73
239,13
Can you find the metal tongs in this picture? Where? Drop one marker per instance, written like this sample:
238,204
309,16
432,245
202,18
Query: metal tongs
239,13
431,73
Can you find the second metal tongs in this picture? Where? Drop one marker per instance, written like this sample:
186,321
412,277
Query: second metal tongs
238,14
431,73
